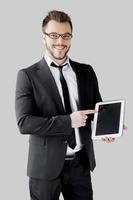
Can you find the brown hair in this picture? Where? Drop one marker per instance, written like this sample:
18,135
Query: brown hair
58,16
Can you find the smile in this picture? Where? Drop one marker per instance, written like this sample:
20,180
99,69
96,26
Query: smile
59,48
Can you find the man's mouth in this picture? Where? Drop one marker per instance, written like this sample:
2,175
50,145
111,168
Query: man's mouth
59,47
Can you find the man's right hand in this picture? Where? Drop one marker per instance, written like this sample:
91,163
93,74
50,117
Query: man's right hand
78,118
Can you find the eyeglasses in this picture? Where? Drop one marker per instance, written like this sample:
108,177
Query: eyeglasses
65,36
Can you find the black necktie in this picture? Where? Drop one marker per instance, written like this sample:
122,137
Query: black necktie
71,139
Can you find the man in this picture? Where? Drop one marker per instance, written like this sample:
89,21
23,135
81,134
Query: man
55,101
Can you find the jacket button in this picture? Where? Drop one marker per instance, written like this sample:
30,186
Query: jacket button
65,141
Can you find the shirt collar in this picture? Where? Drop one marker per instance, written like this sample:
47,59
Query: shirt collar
49,60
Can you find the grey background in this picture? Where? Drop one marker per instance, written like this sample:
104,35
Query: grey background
103,38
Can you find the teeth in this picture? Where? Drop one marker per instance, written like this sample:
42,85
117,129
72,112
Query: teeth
59,48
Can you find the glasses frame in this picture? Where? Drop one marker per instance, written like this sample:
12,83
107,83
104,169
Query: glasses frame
58,35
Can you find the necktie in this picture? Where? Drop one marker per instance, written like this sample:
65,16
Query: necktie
71,139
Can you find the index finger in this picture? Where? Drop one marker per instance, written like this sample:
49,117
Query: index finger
85,112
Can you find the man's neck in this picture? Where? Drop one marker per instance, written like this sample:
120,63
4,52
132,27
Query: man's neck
59,62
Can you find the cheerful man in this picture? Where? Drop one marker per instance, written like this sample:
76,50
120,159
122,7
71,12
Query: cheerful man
55,101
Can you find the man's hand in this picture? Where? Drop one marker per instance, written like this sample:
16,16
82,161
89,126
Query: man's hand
110,139
79,118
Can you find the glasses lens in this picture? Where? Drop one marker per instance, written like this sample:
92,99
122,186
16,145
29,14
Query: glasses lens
54,35
67,36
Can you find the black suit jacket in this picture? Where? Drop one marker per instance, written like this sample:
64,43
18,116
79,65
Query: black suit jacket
40,114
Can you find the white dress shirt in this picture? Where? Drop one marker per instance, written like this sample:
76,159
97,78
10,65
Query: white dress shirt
71,80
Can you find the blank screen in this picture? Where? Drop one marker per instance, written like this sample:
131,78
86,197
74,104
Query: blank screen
108,119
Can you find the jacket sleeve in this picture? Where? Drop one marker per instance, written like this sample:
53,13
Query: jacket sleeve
27,120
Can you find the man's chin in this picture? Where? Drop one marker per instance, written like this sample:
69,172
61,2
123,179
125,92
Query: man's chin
60,57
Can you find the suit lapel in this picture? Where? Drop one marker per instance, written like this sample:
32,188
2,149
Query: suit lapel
80,82
50,84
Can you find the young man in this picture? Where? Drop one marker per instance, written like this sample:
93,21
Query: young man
55,100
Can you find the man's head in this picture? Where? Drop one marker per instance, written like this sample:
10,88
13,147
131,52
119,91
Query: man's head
57,33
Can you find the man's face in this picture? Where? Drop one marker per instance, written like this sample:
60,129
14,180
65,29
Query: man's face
57,48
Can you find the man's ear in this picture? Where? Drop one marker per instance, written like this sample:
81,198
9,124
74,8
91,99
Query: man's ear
43,38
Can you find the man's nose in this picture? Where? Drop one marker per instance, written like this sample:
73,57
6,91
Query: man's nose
60,40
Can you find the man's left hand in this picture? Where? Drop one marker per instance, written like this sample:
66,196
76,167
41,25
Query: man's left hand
111,139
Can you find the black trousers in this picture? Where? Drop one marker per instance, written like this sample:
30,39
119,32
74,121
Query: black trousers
74,182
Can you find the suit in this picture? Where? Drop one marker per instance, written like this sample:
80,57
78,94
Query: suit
40,113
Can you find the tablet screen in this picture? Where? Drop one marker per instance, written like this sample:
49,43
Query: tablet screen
108,119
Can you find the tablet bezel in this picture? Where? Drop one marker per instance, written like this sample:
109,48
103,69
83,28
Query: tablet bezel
115,135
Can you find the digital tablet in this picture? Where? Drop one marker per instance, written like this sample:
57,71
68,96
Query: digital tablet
108,120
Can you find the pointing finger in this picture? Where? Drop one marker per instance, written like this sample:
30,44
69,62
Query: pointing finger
85,112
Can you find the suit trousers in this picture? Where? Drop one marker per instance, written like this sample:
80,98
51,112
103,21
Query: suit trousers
74,182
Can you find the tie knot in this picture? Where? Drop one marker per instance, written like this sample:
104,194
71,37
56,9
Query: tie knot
58,66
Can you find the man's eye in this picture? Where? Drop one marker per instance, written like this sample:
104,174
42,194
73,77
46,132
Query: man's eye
54,35
66,36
